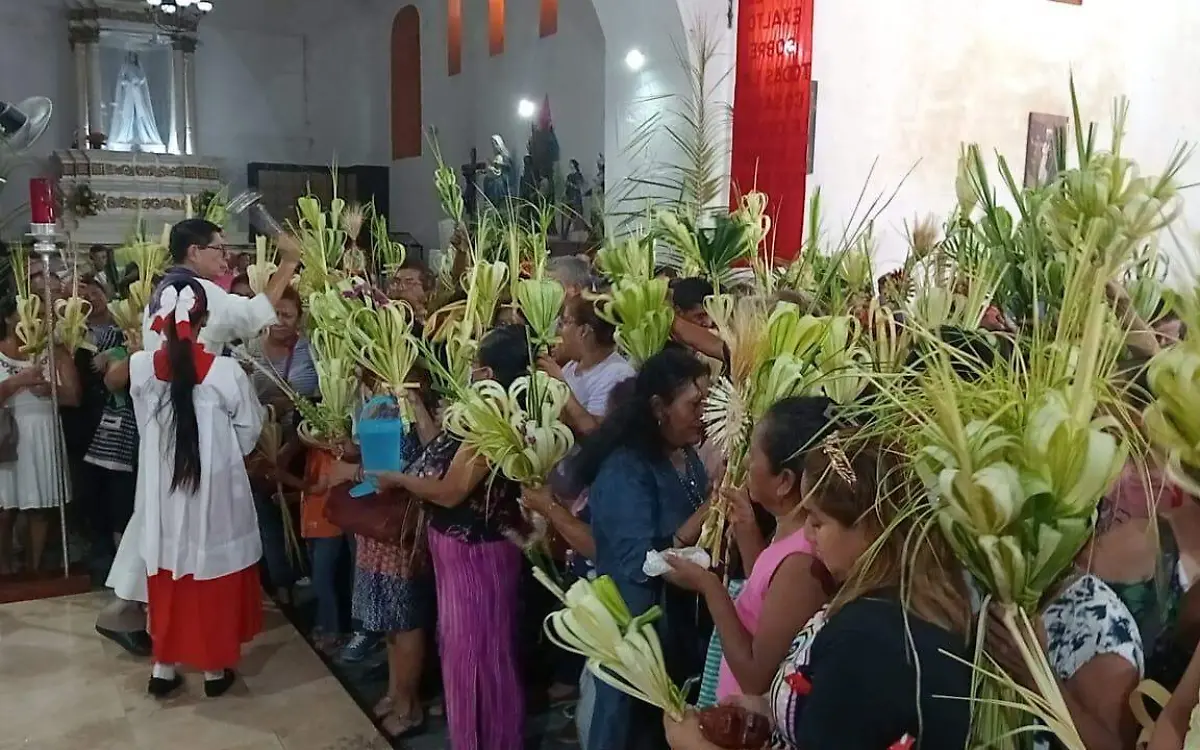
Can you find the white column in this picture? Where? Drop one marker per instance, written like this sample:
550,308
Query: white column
79,51
175,140
189,95
96,120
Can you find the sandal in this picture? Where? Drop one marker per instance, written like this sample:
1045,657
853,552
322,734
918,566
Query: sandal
327,643
403,727
382,708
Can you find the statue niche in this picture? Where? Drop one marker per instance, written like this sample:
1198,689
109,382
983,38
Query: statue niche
135,157
133,123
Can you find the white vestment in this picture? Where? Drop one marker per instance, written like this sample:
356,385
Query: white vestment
211,531
229,318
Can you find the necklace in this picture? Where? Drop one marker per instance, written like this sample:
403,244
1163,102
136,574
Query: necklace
688,481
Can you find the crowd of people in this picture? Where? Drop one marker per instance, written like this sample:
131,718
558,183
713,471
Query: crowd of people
837,631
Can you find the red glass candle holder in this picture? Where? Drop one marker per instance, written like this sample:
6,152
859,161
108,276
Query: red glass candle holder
41,200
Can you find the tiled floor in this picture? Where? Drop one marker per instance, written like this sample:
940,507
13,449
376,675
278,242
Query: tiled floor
63,687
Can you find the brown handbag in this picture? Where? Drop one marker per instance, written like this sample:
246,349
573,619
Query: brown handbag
392,516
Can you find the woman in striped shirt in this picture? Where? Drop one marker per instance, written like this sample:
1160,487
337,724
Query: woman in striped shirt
282,354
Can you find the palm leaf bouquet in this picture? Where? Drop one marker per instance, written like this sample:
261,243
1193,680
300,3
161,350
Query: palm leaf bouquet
389,254
1016,450
834,273
622,651
642,314
381,336
354,259
628,258
484,284
264,266
151,259
460,325
713,252
326,424
951,282
773,353
1015,454
71,316
445,180
518,429
540,301
270,449
1172,420
32,325
322,237
1106,195
212,206
638,303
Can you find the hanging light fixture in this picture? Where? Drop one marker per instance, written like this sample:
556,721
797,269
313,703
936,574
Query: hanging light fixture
178,10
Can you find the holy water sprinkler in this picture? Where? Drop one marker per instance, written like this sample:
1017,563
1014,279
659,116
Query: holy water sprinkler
249,203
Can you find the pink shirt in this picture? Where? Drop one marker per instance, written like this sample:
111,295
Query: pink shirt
750,602
225,281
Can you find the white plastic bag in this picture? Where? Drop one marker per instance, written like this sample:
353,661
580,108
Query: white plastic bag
656,563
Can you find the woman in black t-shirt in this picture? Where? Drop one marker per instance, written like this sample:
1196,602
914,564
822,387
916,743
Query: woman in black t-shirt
872,670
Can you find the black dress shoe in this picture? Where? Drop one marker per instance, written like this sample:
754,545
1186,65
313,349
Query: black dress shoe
137,642
160,687
218,687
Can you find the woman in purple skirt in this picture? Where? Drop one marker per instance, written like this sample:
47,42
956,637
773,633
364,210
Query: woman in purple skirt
474,516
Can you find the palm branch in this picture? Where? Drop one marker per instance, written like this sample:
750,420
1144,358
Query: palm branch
692,128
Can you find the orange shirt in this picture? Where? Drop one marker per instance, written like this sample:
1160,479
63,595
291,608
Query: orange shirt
312,507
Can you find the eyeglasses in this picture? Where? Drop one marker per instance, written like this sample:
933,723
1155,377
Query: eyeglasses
221,248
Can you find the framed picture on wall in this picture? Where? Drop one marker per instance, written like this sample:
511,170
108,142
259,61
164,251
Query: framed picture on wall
1041,163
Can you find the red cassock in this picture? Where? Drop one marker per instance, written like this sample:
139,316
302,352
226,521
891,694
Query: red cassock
203,624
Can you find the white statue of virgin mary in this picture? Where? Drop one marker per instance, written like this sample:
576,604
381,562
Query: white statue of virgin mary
133,127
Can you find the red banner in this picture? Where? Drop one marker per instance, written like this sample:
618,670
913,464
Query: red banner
771,113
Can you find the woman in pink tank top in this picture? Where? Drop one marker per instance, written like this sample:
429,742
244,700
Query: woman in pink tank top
787,586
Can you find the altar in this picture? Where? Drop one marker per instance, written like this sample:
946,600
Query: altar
136,154
125,187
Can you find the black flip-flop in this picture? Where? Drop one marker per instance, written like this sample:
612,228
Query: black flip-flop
412,730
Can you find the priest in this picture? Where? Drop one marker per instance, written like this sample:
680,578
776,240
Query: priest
199,253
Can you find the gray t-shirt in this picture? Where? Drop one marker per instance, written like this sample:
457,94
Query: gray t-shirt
593,386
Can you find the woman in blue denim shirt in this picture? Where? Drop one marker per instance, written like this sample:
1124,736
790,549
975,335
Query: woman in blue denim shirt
647,491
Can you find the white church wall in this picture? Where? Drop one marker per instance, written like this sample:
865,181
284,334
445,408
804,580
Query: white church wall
35,60
293,81
306,81
907,82
288,81
659,31
467,109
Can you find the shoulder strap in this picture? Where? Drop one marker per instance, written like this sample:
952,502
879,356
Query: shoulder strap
1158,694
